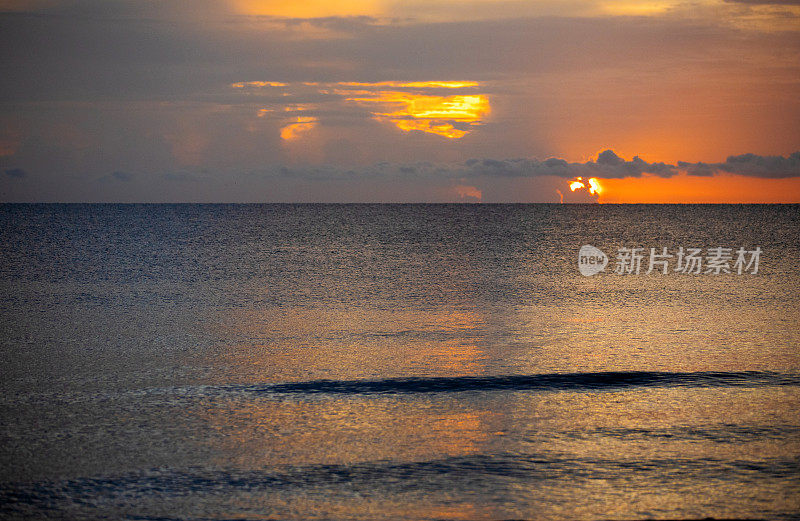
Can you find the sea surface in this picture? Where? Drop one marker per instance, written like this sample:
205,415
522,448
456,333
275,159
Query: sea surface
395,362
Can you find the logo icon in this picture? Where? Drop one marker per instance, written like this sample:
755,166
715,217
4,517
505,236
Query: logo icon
591,260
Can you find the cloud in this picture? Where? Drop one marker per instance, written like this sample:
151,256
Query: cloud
446,108
16,172
181,177
750,165
117,176
468,193
608,165
150,52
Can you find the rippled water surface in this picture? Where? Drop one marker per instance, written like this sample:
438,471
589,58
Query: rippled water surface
394,362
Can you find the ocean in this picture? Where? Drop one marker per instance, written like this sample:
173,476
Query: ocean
399,362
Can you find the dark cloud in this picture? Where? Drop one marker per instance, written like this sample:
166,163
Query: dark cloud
499,180
609,158
608,165
16,172
181,177
118,176
147,53
750,165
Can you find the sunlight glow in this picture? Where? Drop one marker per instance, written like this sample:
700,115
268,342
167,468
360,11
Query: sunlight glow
413,84
298,127
257,84
637,7
468,192
443,129
456,108
427,113
576,185
594,186
308,8
408,105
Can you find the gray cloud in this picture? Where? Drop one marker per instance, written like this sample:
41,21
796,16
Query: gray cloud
16,172
118,176
181,177
157,54
499,180
749,165
608,165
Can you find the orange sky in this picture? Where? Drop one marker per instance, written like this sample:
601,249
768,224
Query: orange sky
720,188
413,101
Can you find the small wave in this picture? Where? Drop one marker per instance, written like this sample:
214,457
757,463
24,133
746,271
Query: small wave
538,382
461,474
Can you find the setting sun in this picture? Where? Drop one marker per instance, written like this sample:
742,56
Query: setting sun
577,184
594,185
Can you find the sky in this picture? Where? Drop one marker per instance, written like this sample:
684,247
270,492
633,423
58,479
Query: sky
400,101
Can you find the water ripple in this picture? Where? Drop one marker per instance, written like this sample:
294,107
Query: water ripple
539,382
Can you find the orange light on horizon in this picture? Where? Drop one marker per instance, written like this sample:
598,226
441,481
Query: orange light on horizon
591,185
468,192
683,188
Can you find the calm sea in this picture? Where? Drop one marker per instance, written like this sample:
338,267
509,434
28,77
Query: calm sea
395,362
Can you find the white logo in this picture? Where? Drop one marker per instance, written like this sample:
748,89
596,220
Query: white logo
591,260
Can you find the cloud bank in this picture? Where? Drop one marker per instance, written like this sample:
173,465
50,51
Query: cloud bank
751,165
608,165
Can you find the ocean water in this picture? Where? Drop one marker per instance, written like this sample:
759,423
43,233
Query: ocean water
395,362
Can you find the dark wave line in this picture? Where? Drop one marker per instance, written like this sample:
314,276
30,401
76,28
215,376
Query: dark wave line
461,473
538,382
